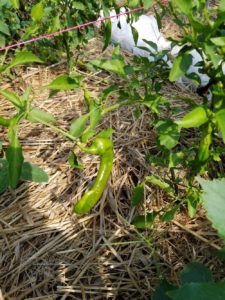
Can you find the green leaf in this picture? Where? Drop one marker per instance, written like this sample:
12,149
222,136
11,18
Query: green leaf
15,3
107,34
168,133
222,5
1,144
175,159
148,3
4,28
64,82
25,98
116,66
79,5
107,133
135,34
214,202
2,44
204,145
180,66
24,57
152,45
4,175
195,272
95,114
137,194
146,221
197,117
37,12
221,254
36,115
87,134
220,118
192,206
169,215
108,91
219,41
161,290
33,173
199,291
12,97
154,103
74,162
133,3
78,125
14,156
160,183
211,50
185,6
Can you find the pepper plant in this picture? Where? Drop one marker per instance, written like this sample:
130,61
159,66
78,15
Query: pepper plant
82,132
203,31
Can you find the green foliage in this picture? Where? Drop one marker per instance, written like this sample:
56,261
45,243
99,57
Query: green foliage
116,66
168,133
10,23
196,283
214,202
199,291
197,117
78,125
138,195
33,173
140,84
195,272
53,15
220,118
4,176
161,290
203,31
23,57
169,215
180,66
145,221
36,115
64,83
74,162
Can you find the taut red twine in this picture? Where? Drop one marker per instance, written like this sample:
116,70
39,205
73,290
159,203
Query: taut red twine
50,35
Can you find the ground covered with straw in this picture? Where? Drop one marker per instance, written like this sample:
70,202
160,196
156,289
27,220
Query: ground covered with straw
47,252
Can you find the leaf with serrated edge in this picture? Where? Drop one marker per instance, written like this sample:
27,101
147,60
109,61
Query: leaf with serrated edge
214,202
199,291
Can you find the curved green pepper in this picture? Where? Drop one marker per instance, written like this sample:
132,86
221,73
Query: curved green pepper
104,148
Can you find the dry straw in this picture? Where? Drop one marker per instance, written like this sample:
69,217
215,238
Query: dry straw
49,253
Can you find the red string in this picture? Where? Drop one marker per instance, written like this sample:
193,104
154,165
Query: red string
49,35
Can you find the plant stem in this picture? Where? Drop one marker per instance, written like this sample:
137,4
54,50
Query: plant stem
59,130
117,105
174,181
67,48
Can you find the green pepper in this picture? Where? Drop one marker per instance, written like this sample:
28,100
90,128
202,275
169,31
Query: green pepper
104,148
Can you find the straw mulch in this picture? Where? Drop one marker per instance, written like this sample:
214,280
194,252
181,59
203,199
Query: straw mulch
47,252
